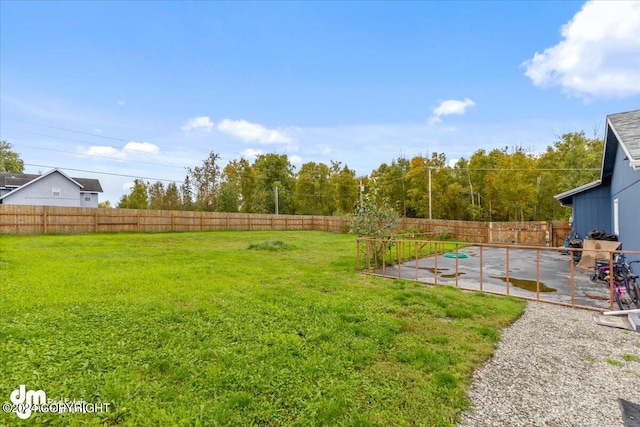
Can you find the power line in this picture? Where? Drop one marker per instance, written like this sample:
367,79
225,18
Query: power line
68,130
529,170
68,139
89,155
105,173
406,177
77,140
100,157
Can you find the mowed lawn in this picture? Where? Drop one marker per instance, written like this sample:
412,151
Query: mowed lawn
197,329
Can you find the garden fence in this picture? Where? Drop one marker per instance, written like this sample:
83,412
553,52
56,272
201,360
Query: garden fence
537,273
18,219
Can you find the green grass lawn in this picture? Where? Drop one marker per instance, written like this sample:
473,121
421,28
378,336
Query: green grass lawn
197,329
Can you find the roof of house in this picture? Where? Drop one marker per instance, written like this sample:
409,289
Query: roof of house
623,129
10,179
626,127
566,197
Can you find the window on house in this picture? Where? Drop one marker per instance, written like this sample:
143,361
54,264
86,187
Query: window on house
616,217
55,191
87,197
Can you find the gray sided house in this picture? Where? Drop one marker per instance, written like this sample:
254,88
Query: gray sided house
54,188
612,203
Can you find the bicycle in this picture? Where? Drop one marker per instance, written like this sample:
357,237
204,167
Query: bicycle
626,276
626,290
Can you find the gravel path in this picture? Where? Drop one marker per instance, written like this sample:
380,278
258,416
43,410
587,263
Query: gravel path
556,367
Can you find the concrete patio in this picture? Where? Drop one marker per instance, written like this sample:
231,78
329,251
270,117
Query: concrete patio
553,274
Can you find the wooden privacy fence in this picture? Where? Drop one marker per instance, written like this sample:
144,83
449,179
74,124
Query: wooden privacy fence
519,233
17,219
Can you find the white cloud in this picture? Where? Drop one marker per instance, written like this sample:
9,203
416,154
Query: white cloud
253,132
450,106
295,159
120,102
114,153
251,153
198,123
104,151
144,147
128,185
599,55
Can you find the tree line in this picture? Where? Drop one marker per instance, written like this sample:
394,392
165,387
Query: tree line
505,184
267,185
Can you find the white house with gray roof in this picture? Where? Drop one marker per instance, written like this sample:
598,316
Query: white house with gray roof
612,203
54,188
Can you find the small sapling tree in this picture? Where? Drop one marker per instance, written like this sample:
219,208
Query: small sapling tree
375,217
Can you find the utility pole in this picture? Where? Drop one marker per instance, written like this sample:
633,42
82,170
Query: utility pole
470,188
276,189
430,216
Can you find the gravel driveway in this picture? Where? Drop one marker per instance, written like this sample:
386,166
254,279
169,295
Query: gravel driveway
556,367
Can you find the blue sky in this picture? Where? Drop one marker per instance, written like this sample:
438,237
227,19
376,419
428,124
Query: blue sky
145,89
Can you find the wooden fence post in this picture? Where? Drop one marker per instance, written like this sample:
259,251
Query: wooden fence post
44,221
95,219
138,220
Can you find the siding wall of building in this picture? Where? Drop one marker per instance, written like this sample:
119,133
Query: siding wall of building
41,193
592,210
92,203
625,187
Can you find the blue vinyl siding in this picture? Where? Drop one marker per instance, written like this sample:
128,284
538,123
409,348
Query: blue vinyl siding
592,211
593,207
625,186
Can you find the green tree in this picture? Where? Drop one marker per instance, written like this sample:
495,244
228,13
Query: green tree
10,161
314,194
572,161
171,199
345,186
138,197
513,185
186,194
392,182
156,194
482,170
374,217
229,199
247,181
205,180
271,171
418,191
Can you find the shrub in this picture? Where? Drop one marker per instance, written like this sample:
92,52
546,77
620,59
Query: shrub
271,245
